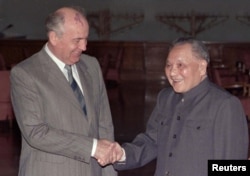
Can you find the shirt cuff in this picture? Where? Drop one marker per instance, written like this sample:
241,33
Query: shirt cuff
123,158
94,147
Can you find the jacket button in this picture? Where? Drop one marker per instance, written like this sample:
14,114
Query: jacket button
170,154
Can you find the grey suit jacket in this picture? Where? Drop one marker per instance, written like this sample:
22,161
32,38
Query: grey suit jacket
56,137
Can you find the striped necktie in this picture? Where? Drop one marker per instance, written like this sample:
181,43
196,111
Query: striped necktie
76,89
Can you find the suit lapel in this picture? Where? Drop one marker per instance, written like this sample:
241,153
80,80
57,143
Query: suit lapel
86,83
58,80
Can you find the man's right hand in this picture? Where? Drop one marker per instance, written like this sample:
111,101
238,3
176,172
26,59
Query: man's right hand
108,152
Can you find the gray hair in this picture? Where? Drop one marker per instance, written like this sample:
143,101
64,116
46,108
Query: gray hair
198,48
55,21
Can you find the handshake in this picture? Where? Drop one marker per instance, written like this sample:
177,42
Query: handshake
108,152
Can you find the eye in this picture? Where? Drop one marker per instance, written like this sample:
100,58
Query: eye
180,65
77,40
167,65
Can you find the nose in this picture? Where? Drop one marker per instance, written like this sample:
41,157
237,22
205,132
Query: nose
83,45
173,71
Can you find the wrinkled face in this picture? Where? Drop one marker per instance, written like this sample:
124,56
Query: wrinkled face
183,70
69,46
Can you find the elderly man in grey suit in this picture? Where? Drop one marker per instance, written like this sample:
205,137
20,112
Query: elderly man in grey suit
193,121
62,132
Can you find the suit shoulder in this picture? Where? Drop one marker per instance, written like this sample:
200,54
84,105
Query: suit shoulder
90,62
88,58
25,65
219,92
33,60
165,91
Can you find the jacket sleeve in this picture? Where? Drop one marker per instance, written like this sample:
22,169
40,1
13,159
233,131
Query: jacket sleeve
143,148
231,131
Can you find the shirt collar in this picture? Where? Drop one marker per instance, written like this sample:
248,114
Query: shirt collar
58,62
198,90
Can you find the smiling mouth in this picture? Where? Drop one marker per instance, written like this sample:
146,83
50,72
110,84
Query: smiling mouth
78,54
176,81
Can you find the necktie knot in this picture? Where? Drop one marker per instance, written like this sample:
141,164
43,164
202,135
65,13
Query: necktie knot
70,75
68,68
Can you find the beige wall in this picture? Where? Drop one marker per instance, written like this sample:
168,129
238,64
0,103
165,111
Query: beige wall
28,16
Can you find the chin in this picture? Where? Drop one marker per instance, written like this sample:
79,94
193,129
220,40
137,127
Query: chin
177,90
178,87
76,60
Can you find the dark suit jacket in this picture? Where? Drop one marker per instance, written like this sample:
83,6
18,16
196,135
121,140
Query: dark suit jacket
56,137
186,130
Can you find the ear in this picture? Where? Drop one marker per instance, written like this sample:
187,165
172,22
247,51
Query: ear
53,38
203,67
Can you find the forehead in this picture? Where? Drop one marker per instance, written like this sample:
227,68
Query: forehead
181,52
73,17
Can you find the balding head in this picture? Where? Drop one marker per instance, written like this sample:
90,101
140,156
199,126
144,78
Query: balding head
66,15
68,32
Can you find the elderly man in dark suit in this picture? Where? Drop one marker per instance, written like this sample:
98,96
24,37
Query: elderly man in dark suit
61,131
193,121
